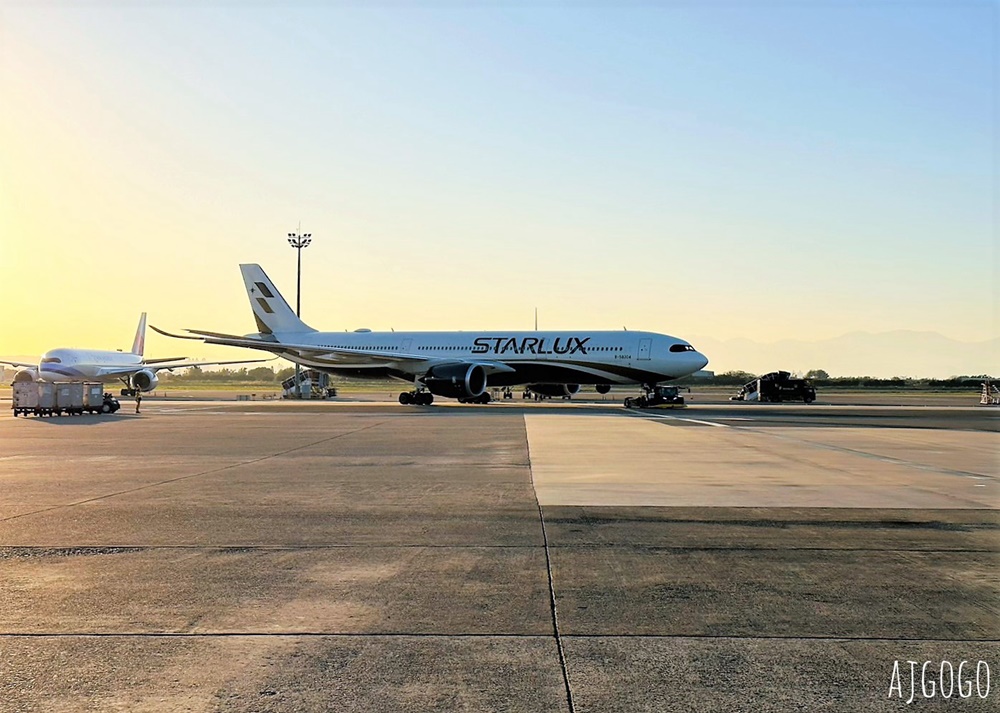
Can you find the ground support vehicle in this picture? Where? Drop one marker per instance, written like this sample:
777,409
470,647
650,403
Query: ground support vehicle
657,397
42,398
33,397
313,385
69,398
775,387
97,400
990,395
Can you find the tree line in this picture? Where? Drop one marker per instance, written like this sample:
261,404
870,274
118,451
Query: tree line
195,374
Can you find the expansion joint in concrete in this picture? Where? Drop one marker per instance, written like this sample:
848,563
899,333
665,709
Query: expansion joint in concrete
552,590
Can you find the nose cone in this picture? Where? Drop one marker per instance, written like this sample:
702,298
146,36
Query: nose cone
55,366
691,362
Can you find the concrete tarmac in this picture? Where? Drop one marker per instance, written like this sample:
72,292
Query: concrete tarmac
233,556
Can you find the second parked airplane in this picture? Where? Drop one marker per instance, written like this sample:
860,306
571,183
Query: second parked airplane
460,365
131,368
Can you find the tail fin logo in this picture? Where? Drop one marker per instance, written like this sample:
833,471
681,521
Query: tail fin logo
263,290
260,287
270,310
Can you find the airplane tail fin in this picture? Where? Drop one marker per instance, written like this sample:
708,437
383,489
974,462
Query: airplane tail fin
139,343
269,308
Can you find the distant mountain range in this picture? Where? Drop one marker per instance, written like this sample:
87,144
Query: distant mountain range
881,355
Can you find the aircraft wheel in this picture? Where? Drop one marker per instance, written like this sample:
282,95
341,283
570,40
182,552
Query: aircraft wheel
405,398
628,402
428,399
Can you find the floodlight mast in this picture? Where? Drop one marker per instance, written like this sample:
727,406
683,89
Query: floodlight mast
298,242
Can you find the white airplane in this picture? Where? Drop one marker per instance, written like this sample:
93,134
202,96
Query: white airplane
460,365
131,368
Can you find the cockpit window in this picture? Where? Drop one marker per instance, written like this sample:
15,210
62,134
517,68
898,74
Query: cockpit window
52,360
681,348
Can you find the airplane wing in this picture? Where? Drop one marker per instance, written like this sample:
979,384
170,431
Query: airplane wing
18,363
150,362
352,356
154,367
282,348
180,365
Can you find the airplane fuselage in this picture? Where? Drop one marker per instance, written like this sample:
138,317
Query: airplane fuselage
84,364
131,368
459,365
584,357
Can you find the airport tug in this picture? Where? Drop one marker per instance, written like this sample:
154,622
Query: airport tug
657,397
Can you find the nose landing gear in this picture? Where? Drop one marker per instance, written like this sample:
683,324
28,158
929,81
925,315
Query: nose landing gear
657,396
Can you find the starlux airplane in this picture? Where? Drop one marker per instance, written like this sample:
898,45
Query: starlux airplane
132,369
460,365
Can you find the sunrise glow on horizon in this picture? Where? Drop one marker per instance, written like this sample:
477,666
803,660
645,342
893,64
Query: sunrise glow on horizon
767,172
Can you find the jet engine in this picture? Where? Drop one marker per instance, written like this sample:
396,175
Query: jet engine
456,381
26,375
554,389
602,388
144,380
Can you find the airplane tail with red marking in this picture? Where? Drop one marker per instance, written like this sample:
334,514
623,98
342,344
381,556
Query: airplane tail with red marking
139,343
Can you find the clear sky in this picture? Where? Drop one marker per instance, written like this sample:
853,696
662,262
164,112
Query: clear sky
767,170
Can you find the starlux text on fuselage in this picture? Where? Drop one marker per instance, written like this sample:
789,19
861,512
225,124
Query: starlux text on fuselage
529,345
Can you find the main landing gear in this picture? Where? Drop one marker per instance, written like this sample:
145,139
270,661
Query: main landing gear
483,398
426,398
417,398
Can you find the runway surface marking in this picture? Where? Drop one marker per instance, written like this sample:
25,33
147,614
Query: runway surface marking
688,420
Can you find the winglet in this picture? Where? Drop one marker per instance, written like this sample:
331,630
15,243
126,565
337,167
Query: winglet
139,343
